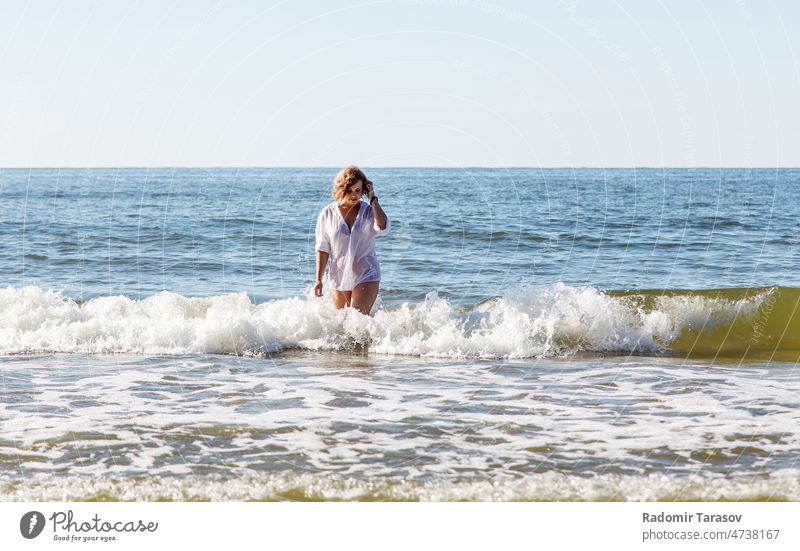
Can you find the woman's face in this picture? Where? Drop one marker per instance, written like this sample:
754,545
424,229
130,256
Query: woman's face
353,194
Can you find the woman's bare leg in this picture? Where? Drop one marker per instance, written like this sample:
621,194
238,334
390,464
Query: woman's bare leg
340,298
364,296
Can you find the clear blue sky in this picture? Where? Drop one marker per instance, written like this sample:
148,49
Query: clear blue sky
399,83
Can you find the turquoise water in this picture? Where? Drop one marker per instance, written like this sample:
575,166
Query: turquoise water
540,334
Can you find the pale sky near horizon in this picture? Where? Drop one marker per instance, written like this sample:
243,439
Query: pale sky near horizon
399,83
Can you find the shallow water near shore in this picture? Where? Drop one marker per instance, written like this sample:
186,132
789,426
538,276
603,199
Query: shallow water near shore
339,426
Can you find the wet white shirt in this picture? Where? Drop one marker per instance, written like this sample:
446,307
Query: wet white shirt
352,252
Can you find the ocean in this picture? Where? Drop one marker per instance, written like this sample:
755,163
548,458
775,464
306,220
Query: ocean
540,334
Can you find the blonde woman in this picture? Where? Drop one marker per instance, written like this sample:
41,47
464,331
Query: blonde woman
346,231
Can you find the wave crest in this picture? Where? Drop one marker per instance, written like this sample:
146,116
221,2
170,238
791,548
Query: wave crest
541,321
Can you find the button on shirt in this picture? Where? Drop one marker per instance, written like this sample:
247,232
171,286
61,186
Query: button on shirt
352,252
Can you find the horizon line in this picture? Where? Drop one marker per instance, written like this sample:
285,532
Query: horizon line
548,167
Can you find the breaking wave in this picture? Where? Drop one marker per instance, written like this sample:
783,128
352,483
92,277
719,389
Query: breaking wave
527,322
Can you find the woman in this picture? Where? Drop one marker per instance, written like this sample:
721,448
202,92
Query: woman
346,231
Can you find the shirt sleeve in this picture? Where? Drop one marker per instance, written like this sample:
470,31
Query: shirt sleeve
376,230
323,243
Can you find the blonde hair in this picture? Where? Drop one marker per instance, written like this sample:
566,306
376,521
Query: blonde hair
346,178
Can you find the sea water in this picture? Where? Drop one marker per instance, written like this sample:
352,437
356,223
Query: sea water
541,334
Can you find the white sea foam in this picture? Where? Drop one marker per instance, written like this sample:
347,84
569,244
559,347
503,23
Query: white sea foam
781,485
525,322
